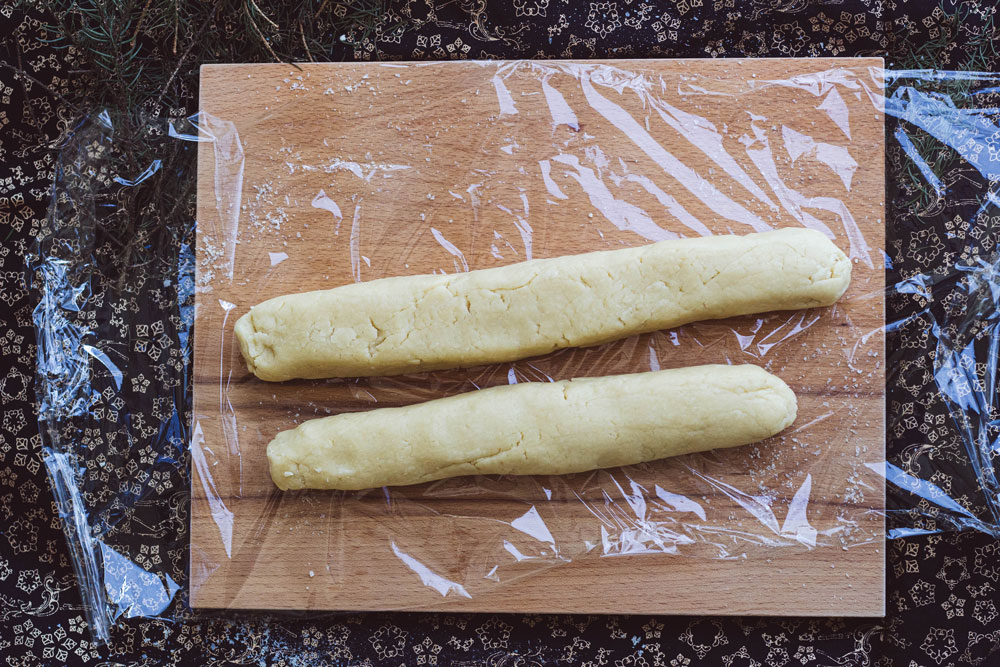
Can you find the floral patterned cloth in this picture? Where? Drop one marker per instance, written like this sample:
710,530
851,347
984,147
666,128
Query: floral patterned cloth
942,606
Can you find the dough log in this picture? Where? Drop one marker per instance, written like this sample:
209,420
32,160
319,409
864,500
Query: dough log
430,322
536,428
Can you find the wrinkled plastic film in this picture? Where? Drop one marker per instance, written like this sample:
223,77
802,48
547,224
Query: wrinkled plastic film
603,142
942,133
115,286
569,158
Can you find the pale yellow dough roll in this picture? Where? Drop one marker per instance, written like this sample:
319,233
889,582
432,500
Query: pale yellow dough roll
430,322
536,428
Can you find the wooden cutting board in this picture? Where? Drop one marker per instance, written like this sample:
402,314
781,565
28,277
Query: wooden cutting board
345,172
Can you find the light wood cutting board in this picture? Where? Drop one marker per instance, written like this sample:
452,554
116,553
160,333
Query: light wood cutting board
347,172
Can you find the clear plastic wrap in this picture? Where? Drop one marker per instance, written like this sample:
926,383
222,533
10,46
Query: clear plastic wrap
544,159
116,276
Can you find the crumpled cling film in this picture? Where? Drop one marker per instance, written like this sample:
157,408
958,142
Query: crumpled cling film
114,271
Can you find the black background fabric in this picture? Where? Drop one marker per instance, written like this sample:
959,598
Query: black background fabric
941,589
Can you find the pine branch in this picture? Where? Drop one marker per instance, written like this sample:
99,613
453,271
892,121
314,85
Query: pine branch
142,55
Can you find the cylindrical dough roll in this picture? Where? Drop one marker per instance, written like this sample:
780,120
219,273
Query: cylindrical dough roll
429,322
536,428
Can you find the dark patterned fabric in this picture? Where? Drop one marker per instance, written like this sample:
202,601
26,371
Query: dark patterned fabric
942,606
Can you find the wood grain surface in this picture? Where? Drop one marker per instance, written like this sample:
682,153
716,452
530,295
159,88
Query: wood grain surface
345,172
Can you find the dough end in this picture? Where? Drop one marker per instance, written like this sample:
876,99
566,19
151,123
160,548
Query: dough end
788,400
244,332
840,274
284,471
836,274
256,348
